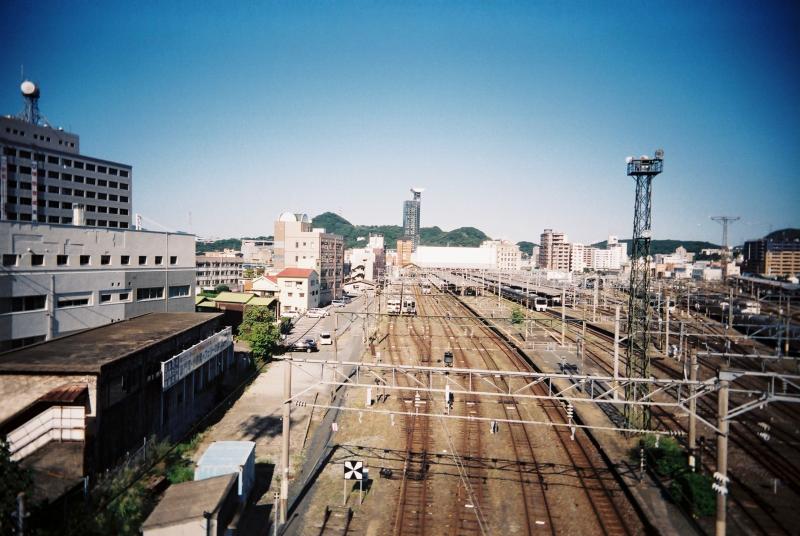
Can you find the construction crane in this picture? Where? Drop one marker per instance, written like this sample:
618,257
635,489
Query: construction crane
643,170
726,250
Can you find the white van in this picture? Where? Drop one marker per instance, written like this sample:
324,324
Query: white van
325,338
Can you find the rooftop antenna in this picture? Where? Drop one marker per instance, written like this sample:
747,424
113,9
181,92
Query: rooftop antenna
30,95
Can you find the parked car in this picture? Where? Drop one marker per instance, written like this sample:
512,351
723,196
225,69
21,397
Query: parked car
338,303
290,314
304,345
317,313
325,338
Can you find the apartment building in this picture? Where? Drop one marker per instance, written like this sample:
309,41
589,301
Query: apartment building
218,268
299,289
405,248
43,175
298,244
57,279
773,257
555,251
508,254
259,252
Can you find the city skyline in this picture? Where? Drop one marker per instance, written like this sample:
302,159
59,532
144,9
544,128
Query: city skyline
514,118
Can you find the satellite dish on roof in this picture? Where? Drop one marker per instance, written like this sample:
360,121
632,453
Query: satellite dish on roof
29,89
629,160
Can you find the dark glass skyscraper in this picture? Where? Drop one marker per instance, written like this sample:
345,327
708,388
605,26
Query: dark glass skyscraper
411,208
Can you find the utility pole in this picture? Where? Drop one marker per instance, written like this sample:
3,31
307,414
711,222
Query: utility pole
724,221
692,412
721,476
616,352
287,409
563,316
643,170
666,327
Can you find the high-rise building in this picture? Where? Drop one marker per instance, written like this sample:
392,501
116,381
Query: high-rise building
411,211
554,252
777,254
508,254
298,244
405,246
43,175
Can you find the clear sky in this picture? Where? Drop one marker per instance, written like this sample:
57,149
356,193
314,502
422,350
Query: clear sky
515,116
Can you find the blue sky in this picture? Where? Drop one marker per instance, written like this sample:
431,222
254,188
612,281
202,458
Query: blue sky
515,116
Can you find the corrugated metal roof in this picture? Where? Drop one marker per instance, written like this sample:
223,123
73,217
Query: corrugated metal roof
263,302
227,453
188,500
295,272
233,297
65,394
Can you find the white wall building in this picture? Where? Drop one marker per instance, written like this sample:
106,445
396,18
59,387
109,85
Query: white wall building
58,279
455,257
215,269
258,252
509,257
298,244
299,289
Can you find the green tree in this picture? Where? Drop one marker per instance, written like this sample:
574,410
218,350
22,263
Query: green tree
517,316
249,273
259,329
14,479
222,288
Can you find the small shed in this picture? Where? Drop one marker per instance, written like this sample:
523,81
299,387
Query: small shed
199,508
225,457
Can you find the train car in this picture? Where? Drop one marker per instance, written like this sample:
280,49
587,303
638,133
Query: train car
393,306
426,288
409,306
540,304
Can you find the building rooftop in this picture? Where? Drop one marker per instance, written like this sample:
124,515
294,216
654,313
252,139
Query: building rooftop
188,500
295,272
86,352
227,453
233,297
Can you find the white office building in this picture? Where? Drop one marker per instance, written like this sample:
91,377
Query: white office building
508,255
57,279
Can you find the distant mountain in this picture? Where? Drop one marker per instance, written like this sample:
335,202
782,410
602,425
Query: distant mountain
429,236
784,235
225,243
667,246
526,247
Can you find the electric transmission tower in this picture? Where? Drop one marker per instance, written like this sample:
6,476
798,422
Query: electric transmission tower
726,250
643,170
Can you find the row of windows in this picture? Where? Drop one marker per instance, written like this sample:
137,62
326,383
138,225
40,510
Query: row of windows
12,259
67,205
36,136
21,304
66,220
65,177
66,162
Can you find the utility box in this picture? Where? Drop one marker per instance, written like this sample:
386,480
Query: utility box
226,457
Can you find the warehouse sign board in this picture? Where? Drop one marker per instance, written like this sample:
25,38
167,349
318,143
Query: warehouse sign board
175,369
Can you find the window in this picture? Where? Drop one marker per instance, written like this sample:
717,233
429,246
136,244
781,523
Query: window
105,259
123,211
85,260
113,210
123,224
25,217
102,182
52,160
67,205
142,260
105,297
123,296
125,259
52,174
24,154
37,260
302,294
101,195
159,259
90,167
66,177
102,223
123,199
22,303
102,209
62,260
78,193
151,293
78,165
72,301
78,179
112,197
123,173
90,194
9,260
102,169
123,186
112,223
90,180
112,171
179,291
53,219
91,222
52,204
113,184
24,186
173,260
66,191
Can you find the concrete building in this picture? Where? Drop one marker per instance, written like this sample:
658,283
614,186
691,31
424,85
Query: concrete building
509,256
455,257
43,174
772,257
152,376
369,262
195,508
299,289
215,269
57,279
299,244
405,249
411,216
266,286
554,251
258,252
612,258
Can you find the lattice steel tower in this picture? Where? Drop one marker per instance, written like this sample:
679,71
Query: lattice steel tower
726,250
643,170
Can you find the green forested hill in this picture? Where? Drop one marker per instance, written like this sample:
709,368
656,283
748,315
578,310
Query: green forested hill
668,246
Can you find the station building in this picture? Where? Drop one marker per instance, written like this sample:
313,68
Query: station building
83,401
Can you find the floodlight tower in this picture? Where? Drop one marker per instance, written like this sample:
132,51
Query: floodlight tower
643,170
726,250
